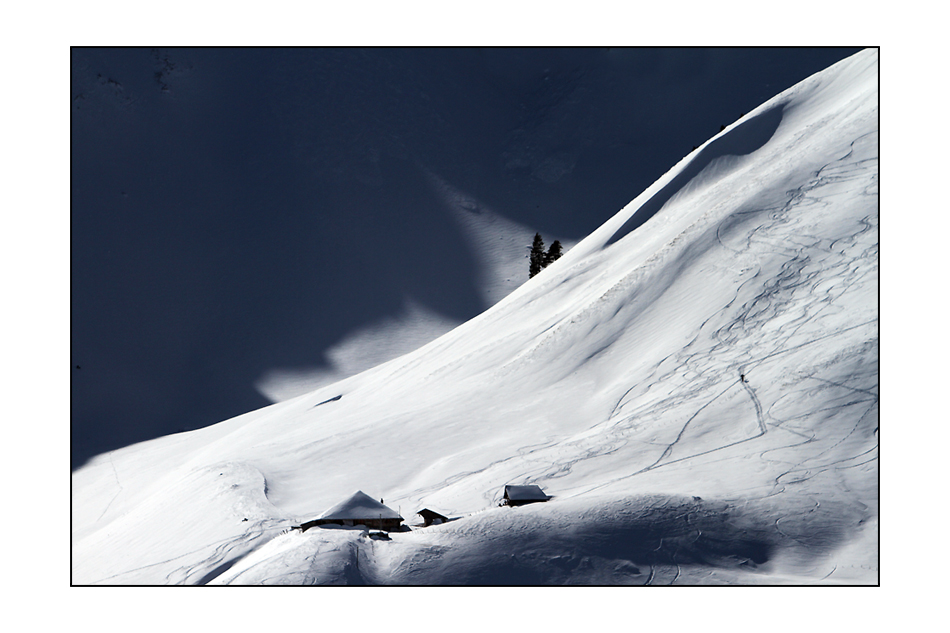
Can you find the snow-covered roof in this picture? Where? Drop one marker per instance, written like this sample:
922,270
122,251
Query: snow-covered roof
525,493
360,506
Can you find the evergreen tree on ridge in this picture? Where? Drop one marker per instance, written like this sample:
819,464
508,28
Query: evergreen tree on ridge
536,261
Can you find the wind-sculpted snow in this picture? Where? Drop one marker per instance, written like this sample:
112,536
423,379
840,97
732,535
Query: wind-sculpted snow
634,540
711,160
698,396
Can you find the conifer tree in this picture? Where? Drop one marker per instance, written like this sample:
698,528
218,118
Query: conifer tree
553,253
536,261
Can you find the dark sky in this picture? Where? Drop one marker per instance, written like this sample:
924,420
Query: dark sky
238,210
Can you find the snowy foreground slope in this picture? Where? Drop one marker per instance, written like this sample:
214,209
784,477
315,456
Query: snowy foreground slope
612,380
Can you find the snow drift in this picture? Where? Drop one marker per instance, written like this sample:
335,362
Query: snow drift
695,385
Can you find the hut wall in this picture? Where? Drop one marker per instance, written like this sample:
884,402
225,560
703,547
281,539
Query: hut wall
388,525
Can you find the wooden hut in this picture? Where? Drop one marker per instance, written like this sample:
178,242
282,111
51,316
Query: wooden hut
521,495
430,517
359,509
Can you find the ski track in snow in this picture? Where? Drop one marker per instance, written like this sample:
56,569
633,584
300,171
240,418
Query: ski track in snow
762,309
117,483
217,560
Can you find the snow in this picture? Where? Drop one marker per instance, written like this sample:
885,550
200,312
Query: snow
358,351
611,380
500,245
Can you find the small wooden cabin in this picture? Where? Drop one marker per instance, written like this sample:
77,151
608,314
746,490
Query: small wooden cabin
521,495
359,509
430,517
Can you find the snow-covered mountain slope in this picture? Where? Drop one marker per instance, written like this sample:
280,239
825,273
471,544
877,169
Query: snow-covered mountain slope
612,380
501,246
